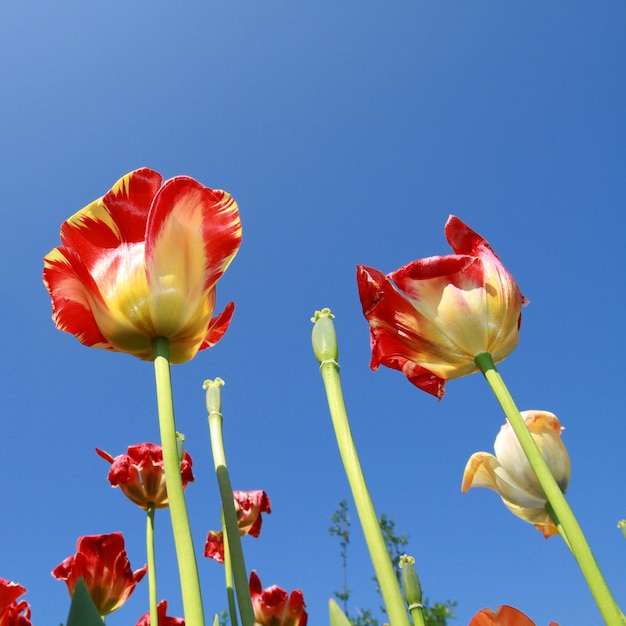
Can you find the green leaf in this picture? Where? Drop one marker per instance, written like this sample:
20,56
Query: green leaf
83,611
337,616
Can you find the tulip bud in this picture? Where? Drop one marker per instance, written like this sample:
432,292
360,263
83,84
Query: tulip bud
410,582
324,338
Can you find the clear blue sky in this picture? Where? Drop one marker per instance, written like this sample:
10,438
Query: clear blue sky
347,132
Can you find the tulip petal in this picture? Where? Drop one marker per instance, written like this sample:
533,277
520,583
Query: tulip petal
119,217
73,292
218,326
403,339
192,235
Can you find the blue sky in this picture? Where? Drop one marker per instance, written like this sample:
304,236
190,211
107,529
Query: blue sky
347,132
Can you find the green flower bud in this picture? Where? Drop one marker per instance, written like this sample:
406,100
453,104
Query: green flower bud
410,582
324,337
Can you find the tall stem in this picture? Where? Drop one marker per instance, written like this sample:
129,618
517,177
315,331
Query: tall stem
324,340
385,574
152,586
558,505
231,536
185,554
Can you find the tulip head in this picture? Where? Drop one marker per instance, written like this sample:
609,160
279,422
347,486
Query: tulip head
509,474
430,318
102,563
141,476
164,619
13,612
274,606
503,616
248,505
142,262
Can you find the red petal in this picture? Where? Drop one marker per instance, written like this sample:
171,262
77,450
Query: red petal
181,199
119,217
218,326
72,289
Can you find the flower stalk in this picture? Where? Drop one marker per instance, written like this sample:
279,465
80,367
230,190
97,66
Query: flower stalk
152,585
558,506
185,554
326,352
232,538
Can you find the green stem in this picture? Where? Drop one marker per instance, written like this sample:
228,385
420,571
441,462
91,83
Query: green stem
558,505
231,535
185,554
228,574
392,596
152,586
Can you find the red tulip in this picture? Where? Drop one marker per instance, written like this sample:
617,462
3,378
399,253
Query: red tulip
102,563
249,505
142,262
140,474
275,607
430,318
12,612
503,616
164,620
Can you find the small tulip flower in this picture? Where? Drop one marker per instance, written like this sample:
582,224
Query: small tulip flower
142,262
274,606
430,318
141,476
13,612
164,620
503,616
102,563
248,505
509,474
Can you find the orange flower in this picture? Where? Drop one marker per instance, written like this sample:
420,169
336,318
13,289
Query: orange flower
509,474
142,262
430,318
503,616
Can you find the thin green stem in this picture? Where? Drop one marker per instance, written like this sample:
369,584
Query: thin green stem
559,507
231,534
152,585
392,596
185,554
228,574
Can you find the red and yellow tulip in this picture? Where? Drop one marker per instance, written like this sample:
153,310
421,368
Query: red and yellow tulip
248,505
274,606
142,262
102,563
141,476
430,318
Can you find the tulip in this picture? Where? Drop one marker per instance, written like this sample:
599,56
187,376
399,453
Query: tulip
503,616
164,620
140,474
430,318
12,611
248,505
102,563
142,262
275,607
509,474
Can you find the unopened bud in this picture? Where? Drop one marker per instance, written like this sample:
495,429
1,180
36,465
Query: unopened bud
410,582
324,337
